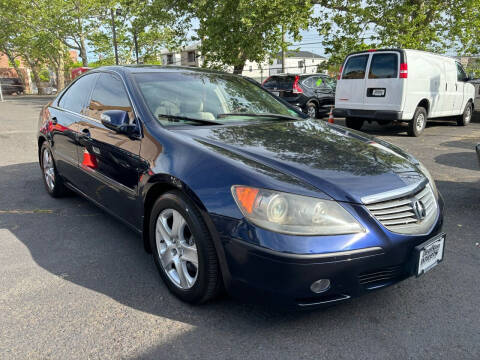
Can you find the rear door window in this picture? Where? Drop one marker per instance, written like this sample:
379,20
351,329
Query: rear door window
355,67
76,95
383,66
280,82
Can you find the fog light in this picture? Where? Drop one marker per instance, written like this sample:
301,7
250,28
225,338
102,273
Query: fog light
320,286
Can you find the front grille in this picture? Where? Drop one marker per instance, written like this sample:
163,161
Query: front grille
380,276
398,215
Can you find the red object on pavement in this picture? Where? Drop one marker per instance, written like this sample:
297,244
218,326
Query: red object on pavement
330,116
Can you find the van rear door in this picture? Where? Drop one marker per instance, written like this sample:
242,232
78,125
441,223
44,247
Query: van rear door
384,88
350,92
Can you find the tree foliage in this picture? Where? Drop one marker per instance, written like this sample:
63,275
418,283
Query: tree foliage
234,31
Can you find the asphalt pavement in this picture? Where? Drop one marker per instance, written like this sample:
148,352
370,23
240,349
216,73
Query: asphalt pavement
76,284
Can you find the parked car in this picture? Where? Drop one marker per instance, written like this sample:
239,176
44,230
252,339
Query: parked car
403,85
11,86
476,84
232,187
477,149
310,93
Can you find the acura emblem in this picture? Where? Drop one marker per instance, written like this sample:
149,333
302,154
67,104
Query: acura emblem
419,209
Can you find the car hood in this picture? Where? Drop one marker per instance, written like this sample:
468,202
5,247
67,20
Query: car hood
346,165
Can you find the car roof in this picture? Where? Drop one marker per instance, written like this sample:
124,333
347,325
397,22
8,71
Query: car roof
132,69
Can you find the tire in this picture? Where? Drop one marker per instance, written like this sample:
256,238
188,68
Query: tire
466,117
52,180
311,110
418,123
201,282
354,123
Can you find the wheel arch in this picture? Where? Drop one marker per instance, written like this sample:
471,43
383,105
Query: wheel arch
160,184
425,104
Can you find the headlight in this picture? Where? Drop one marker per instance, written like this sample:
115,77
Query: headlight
294,214
429,176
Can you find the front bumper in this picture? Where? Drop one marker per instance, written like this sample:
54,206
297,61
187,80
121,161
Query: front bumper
262,275
368,114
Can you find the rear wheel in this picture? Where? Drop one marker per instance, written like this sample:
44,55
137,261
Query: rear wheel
51,178
354,123
183,249
418,123
466,117
312,110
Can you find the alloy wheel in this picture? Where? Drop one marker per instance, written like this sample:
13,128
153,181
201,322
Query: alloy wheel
468,114
311,112
48,169
176,249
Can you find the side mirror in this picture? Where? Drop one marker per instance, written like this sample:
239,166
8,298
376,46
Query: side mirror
118,121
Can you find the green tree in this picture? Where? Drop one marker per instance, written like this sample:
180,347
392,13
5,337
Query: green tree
234,31
353,25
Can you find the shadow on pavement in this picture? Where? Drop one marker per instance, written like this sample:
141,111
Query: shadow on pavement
463,160
81,244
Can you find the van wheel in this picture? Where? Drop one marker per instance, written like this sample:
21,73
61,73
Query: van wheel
354,123
417,125
311,110
183,249
466,117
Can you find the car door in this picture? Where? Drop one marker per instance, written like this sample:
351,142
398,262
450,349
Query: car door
63,122
110,161
384,88
322,89
459,89
350,92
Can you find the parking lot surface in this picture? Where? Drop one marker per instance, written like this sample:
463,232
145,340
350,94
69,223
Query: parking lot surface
76,283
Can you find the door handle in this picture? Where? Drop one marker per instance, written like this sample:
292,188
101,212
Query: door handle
86,133
54,120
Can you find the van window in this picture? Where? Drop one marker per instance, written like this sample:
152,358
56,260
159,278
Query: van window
461,76
355,67
383,66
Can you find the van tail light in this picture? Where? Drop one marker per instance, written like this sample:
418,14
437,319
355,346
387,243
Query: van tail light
339,73
403,71
296,88
264,81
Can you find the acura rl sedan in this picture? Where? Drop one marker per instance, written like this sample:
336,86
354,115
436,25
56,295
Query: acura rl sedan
232,188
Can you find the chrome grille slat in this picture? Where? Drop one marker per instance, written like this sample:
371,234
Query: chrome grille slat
394,216
398,215
391,210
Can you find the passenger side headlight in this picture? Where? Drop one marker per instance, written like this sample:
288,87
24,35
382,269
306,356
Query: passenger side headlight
429,176
294,214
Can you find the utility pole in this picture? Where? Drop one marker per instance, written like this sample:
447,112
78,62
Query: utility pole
136,43
283,49
114,36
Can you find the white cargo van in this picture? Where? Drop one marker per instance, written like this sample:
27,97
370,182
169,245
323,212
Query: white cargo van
404,85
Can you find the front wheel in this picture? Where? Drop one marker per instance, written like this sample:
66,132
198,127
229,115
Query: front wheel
418,123
183,249
354,123
466,117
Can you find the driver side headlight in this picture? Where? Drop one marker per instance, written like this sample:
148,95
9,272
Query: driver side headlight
429,176
294,214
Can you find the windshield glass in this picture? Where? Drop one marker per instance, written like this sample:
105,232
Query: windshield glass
207,96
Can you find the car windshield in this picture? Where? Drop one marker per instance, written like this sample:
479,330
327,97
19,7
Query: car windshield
201,98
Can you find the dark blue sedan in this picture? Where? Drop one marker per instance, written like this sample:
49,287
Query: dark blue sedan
233,188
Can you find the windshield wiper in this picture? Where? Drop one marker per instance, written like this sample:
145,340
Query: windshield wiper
176,117
266,115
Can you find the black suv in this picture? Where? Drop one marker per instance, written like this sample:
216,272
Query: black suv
308,92
11,85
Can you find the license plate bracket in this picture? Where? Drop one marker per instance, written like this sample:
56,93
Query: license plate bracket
429,254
